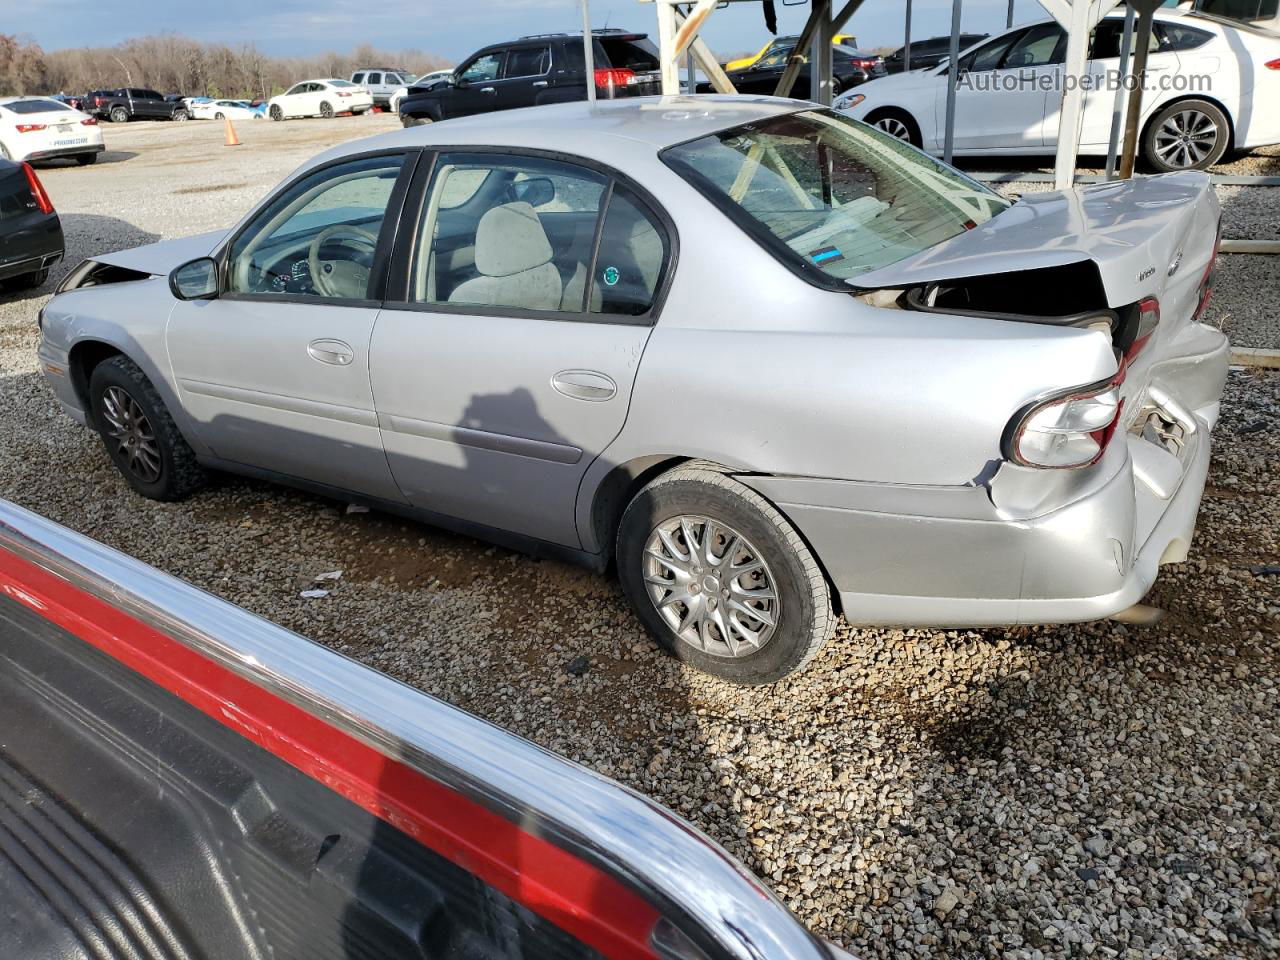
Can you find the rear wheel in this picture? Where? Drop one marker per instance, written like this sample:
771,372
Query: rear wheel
219,115
27,281
140,436
898,124
119,115
1187,135
326,110
84,159
721,579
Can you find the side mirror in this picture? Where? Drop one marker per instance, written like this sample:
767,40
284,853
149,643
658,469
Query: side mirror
195,280
454,80
535,191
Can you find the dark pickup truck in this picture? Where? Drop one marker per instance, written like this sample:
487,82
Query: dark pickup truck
133,103
180,779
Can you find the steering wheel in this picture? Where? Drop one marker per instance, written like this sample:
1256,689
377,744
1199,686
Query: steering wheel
338,278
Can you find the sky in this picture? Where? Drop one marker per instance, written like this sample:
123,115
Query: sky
450,29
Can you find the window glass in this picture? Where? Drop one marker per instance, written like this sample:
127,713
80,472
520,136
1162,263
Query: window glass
1108,36
34,106
989,55
1177,36
1035,48
318,237
335,83
633,253
825,192
374,78
483,68
357,78
638,54
528,62
523,238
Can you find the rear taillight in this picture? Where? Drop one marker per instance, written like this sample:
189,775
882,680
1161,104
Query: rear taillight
37,190
89,122
341,94
1206,282
1148,320
614,77
1070,429
1273,64
30,127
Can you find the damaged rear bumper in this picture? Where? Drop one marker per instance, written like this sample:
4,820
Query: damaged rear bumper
1028,546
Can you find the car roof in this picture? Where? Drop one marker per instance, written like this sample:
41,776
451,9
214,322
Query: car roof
657,121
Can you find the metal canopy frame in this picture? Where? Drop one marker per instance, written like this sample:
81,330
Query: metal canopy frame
679,23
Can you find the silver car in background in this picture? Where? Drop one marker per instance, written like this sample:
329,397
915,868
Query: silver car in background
775,363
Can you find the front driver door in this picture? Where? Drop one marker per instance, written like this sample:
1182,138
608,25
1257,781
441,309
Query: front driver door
476,87
275,370
508,367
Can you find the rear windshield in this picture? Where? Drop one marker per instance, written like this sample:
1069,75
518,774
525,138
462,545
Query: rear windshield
826,192
341,83
34,106
639,54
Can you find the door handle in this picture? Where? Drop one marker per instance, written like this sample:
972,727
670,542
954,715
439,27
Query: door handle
331,351
488,90
584,385
539,83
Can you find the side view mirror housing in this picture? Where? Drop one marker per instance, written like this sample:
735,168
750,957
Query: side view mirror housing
454,80
195,280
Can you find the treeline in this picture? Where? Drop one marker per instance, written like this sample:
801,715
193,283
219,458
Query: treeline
176,64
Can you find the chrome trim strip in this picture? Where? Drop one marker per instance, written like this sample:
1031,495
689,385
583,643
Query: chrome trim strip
482,439
703,890
310,408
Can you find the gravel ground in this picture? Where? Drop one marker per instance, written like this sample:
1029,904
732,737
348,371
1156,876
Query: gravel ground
1040,792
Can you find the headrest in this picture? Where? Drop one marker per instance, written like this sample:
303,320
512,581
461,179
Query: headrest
509,240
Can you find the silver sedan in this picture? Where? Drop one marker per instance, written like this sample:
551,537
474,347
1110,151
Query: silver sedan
775,363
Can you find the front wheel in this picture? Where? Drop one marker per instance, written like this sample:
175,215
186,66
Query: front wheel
326,110
721,579
140,436
181,116
276,112
897,124
219,116
1187,135
119,115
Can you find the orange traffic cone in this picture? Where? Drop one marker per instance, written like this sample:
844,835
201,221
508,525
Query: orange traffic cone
232,139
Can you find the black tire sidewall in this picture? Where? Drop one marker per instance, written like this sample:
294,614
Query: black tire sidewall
913,129
119,115
791,642
123,373
1211,110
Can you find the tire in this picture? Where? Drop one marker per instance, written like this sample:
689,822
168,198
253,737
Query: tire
276,112
414,121
176,473
718,507
119,115
27,281
1186,135
218,116
4,153
86,159
326,110
181,116
896,123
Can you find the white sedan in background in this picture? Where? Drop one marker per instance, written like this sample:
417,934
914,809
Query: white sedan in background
217,109
37,128
1211,88
320,98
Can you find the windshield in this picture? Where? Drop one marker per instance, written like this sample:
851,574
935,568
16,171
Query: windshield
824,191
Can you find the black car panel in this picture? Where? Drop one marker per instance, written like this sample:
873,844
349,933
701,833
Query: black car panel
30,232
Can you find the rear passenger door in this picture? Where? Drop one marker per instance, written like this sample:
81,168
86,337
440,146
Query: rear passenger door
503,363
525,76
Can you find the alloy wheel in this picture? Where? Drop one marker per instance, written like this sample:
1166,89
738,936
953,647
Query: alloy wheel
711,586
894,128
132,433
1186,139
326,110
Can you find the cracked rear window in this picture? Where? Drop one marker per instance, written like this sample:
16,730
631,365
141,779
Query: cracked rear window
831,194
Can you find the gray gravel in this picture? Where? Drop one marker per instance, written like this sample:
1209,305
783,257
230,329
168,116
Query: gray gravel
1092,790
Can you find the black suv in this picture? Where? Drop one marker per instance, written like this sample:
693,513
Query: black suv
928,53
133,103
545,68
849,67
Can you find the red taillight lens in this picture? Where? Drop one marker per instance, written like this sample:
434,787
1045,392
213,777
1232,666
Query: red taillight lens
1071,429
37,190
1206,282
89,122
1148,320
614,77
30,127
341,94
1273,64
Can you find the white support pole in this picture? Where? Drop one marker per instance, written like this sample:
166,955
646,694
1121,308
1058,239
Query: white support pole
906,41
1072,113
670,59
1117,105
953,77
589,51
820,57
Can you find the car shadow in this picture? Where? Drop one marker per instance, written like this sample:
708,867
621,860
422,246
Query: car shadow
85,235
106,156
